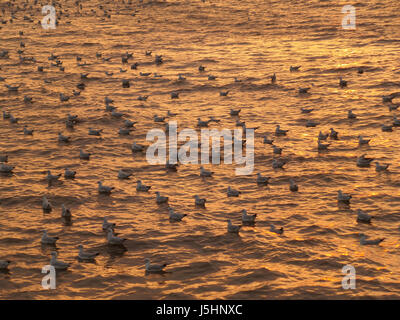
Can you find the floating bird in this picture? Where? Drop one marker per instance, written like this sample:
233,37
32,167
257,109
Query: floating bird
175,216
205,173
364,241
267,141
4,264
295,68
386,128
273,78
114,240
141,187
232,192
137,147
223,93
234,112
232,228
104,189
86,256
174,95
262,180
248,218
62,138
201,202
362,141
50,177
69,174
107,225
57,264
380,168
202,68
311,124
4,158
304,110
84,155
129,124
170,114
278,163
362,161
396,122
12,88
277,150
343,197
171,166
47,239
277,231
160,199
279,131
202,124
211,77
46,205
304,90
6,168
124,131
333,134
63,98
95,132
123,174
322,136
323,146
158,119
154,268
293,187
351,115
342,83
363,216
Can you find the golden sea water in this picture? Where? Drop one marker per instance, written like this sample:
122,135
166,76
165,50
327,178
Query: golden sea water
249,40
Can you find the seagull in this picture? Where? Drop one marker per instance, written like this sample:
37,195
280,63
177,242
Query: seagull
47,239
124,131
363,217
171,114
267,141
143,98
158,119
202,68
201,202
343,197
311,124
273,78
279,131
108,100
12,88
304,90
86,256
364,241
107,225
142,187
4,264
261,179
104,189
137,147
63,98
171,166
278,163
295,68
211,77
57,264
116,114
154,268
362,161
123,174
396,122
175,216
65,212
323,146
5,168
351,115
95,132
277,150
114,240
50,177
249,218
304,110
3,158
6,115
386,128
205,173
362,141
232,228
293,187
84,155
28,132
277,231
129,124
322,136
46,205
69,174
160,199
379,167
174,95
202,124
333,134
232,192
13,119
223,93
342,83
62,138
234,112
